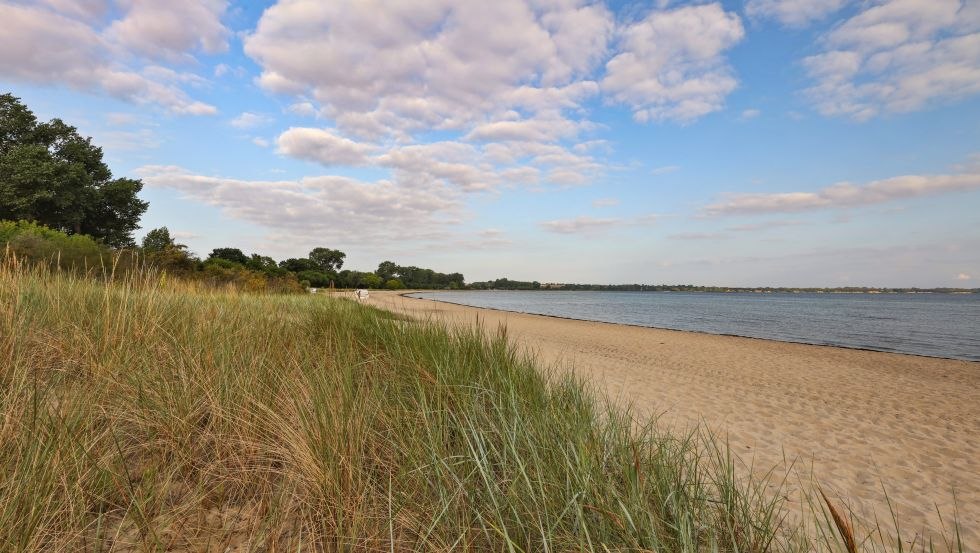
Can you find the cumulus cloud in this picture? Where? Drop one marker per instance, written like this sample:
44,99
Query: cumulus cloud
671,65
44,46
303,109
82,9
323,146
963,277
583,224
897,56
545,129
168,30
332,208
793,13
460,164
434,66
512,105
605,202
248,120
426,65
845,194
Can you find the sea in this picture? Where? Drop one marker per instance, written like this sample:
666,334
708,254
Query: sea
934,325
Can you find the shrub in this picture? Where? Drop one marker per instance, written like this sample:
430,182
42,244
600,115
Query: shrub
39,244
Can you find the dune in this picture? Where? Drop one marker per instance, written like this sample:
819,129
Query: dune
861,424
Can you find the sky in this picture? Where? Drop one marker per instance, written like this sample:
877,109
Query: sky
742,143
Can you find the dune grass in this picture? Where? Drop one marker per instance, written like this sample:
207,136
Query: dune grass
142,414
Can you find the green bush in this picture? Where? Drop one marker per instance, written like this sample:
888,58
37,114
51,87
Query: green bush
36,243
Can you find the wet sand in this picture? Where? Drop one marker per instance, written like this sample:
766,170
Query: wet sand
856,420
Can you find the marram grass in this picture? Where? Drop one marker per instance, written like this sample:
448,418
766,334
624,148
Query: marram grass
141,414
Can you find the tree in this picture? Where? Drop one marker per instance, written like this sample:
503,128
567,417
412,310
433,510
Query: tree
159,239
317,279
161,251
372,280
265,264
327,260
52,175
233,255
387,270
394,284
299,265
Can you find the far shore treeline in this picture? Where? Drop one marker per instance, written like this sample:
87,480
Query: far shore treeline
507,284
61,205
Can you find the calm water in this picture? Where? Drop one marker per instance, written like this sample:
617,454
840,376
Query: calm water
937,325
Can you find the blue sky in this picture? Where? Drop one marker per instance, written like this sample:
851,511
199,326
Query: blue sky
764,142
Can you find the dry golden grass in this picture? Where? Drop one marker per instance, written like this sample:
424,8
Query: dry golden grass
143,414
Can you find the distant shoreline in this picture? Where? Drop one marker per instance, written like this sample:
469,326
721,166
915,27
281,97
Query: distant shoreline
728,290
408,295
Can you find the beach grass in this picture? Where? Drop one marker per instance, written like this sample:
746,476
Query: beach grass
142,414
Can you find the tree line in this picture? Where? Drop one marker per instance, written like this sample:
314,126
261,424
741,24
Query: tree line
321,268
60,204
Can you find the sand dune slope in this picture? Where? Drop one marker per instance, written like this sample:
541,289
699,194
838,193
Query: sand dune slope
859,419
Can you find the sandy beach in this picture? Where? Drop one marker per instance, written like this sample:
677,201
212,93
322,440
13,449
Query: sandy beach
859,420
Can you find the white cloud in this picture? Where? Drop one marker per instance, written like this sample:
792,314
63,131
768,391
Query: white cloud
45,47
337,209
671,64
448,162
459,164
750,114
897,56
486,238
83,9
697,236
605,202
512,104
544,129
119,140
793,13
578,225
433,65
248,120
666,169
223,69
845,194
323,146
763,225
117,119
260,142
168,30
418,67
963,277
303,109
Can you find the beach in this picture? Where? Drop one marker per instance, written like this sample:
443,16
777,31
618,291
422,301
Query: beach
859,422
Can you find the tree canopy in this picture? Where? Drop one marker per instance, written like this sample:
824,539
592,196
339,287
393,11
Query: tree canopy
52,175
234,255
327,260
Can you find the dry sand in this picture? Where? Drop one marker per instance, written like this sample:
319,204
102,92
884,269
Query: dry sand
857,419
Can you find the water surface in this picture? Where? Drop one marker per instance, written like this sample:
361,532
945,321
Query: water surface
937,325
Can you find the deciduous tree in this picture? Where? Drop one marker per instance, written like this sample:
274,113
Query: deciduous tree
52,175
